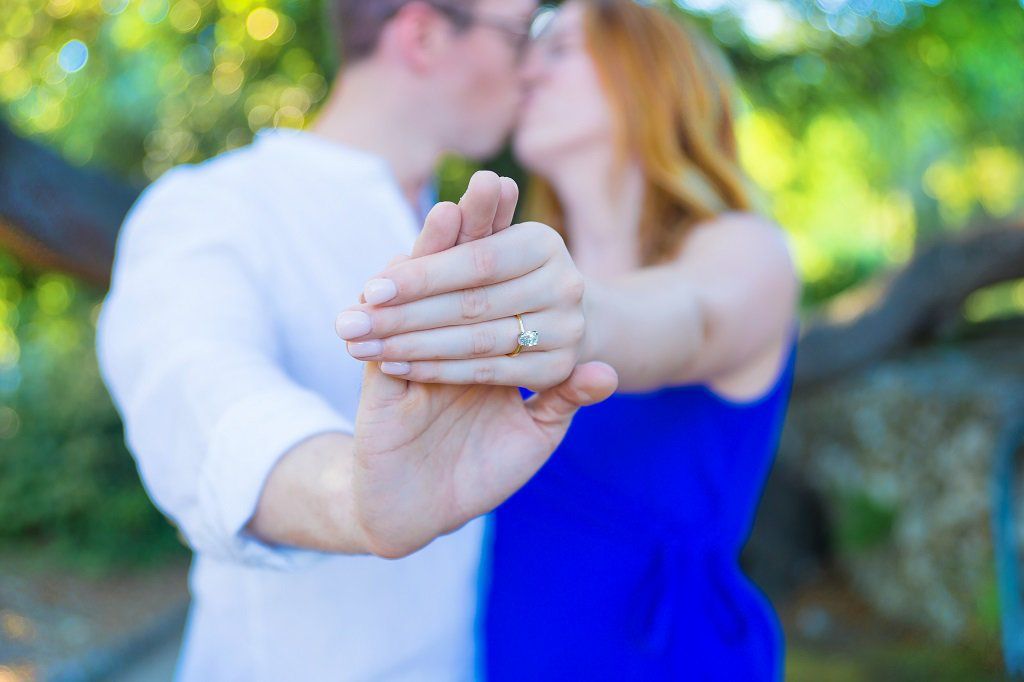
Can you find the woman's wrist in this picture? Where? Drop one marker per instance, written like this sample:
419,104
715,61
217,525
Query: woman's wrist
595,304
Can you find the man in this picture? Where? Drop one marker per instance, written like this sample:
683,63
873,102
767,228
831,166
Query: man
334,512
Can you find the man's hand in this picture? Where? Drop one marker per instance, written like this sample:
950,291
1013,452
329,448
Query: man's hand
429,457
447,315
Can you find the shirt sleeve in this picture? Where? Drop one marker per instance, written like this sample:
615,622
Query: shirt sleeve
189,348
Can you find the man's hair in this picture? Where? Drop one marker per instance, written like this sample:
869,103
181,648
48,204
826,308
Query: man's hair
358,24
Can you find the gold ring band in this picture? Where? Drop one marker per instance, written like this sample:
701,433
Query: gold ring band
522,330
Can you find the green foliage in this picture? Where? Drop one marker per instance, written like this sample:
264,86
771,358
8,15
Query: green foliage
66,480
895,661
989,612
882,144
863,522
163,82
869,127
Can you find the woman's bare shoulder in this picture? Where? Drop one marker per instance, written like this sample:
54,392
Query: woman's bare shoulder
736,237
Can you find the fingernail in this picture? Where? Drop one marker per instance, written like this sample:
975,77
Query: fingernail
379,291
352,324
396,368
365,349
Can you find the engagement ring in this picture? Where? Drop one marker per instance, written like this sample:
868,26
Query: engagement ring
525,339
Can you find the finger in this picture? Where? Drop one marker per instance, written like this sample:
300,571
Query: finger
400,258
440,230
533,369
552,410
379,388
528,295
506,205
479,206
513,252
490,339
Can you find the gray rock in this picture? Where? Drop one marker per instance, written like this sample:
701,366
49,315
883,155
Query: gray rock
901,456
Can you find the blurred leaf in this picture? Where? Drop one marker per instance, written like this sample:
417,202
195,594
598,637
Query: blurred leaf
863,522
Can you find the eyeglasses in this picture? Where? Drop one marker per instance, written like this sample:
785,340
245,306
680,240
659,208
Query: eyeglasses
464,18
540,33
541,20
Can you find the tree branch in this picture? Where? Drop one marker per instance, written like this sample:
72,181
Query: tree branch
918,302
55,215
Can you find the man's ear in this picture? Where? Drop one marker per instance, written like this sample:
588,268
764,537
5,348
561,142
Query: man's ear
417,35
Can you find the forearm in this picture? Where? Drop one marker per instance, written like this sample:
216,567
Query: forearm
307,501
647,324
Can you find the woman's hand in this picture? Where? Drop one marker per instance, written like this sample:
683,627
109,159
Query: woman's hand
449,316
430,457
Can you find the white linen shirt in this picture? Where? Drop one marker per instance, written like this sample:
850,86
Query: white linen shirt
217,343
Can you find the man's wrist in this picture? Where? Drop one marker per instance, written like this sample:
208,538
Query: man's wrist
340,500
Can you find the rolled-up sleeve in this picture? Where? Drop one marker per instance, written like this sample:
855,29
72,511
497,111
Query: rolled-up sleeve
189,349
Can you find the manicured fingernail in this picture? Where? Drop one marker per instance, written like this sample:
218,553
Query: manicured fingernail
352,324
365,349
379,291
396,368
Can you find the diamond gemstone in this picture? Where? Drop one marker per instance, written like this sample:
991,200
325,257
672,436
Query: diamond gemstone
528,339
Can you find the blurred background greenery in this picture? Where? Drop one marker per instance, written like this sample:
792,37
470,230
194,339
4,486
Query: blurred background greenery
870,125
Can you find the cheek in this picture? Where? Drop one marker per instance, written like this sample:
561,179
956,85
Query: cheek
494,83
568,109
582,89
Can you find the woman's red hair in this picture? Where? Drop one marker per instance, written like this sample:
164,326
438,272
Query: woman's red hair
671,96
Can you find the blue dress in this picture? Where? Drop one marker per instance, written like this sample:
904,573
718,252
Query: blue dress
619,560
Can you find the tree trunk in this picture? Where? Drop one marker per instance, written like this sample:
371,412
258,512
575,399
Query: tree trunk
916,304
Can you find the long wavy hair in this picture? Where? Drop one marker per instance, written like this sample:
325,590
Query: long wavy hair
671,92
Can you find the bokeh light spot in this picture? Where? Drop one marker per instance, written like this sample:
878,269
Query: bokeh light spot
9,423
113,7
20,23
10,55
16,626
227,78
59,9
185,15
53,294
285,31
73,56
261,23
153,11
288,117
10,349
259,116
196,59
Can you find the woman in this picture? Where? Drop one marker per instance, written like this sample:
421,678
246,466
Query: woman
619,559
